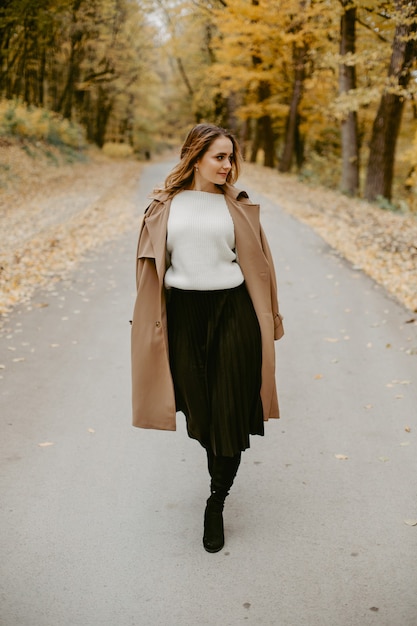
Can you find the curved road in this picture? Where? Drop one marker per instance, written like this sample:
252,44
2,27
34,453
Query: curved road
101,523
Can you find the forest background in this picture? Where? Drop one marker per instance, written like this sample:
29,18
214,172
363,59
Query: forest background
322,91
323,87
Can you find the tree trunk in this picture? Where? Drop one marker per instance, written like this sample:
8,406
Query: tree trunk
265,130
245,136
41,78
268,140
184,76
66,101
264,135
387,122
256,142
347,82
103,111
292,134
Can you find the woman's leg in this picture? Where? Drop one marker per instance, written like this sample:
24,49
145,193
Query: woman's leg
210,460
223,470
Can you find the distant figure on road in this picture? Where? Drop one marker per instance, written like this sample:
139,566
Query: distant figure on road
206,314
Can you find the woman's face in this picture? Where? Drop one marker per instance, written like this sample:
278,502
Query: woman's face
214,165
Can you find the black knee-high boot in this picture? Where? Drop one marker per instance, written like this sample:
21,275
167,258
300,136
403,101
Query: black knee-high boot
223,470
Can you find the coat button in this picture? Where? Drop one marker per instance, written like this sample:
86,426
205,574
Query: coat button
157,324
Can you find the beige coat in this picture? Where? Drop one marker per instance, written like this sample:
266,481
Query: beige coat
152,387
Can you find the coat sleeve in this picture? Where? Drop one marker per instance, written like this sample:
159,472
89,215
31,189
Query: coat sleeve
141,223
143,243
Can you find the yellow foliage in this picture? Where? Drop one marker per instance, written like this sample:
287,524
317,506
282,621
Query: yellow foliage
117,150
34,123
354,100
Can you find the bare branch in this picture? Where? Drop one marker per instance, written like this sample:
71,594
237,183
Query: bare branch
377,35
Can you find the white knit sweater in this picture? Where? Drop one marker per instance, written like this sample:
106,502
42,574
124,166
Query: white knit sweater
200,243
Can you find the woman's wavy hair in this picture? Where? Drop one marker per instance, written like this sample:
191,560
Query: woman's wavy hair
196,144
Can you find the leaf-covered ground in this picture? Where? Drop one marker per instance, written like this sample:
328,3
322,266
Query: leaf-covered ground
381,243
51,215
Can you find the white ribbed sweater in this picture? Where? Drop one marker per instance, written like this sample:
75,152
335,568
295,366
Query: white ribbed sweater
200,243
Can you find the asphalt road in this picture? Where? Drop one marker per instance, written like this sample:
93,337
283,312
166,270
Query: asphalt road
101,523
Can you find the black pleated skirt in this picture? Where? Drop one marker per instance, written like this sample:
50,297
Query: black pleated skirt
216,357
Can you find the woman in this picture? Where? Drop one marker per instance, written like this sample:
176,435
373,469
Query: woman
206,313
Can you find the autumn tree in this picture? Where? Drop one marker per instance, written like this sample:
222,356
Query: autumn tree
25,33
347,83
186,56
85,60
247,52
388,118
299,45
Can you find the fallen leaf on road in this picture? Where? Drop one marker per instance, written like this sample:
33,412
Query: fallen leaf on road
331,339
45,444
318,376
2,367
368,406
407,429
341,457
19,359
379,243
405,443
410,522
91,430
383,459
91,205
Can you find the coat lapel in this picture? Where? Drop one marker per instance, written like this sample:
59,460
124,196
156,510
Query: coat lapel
245,217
